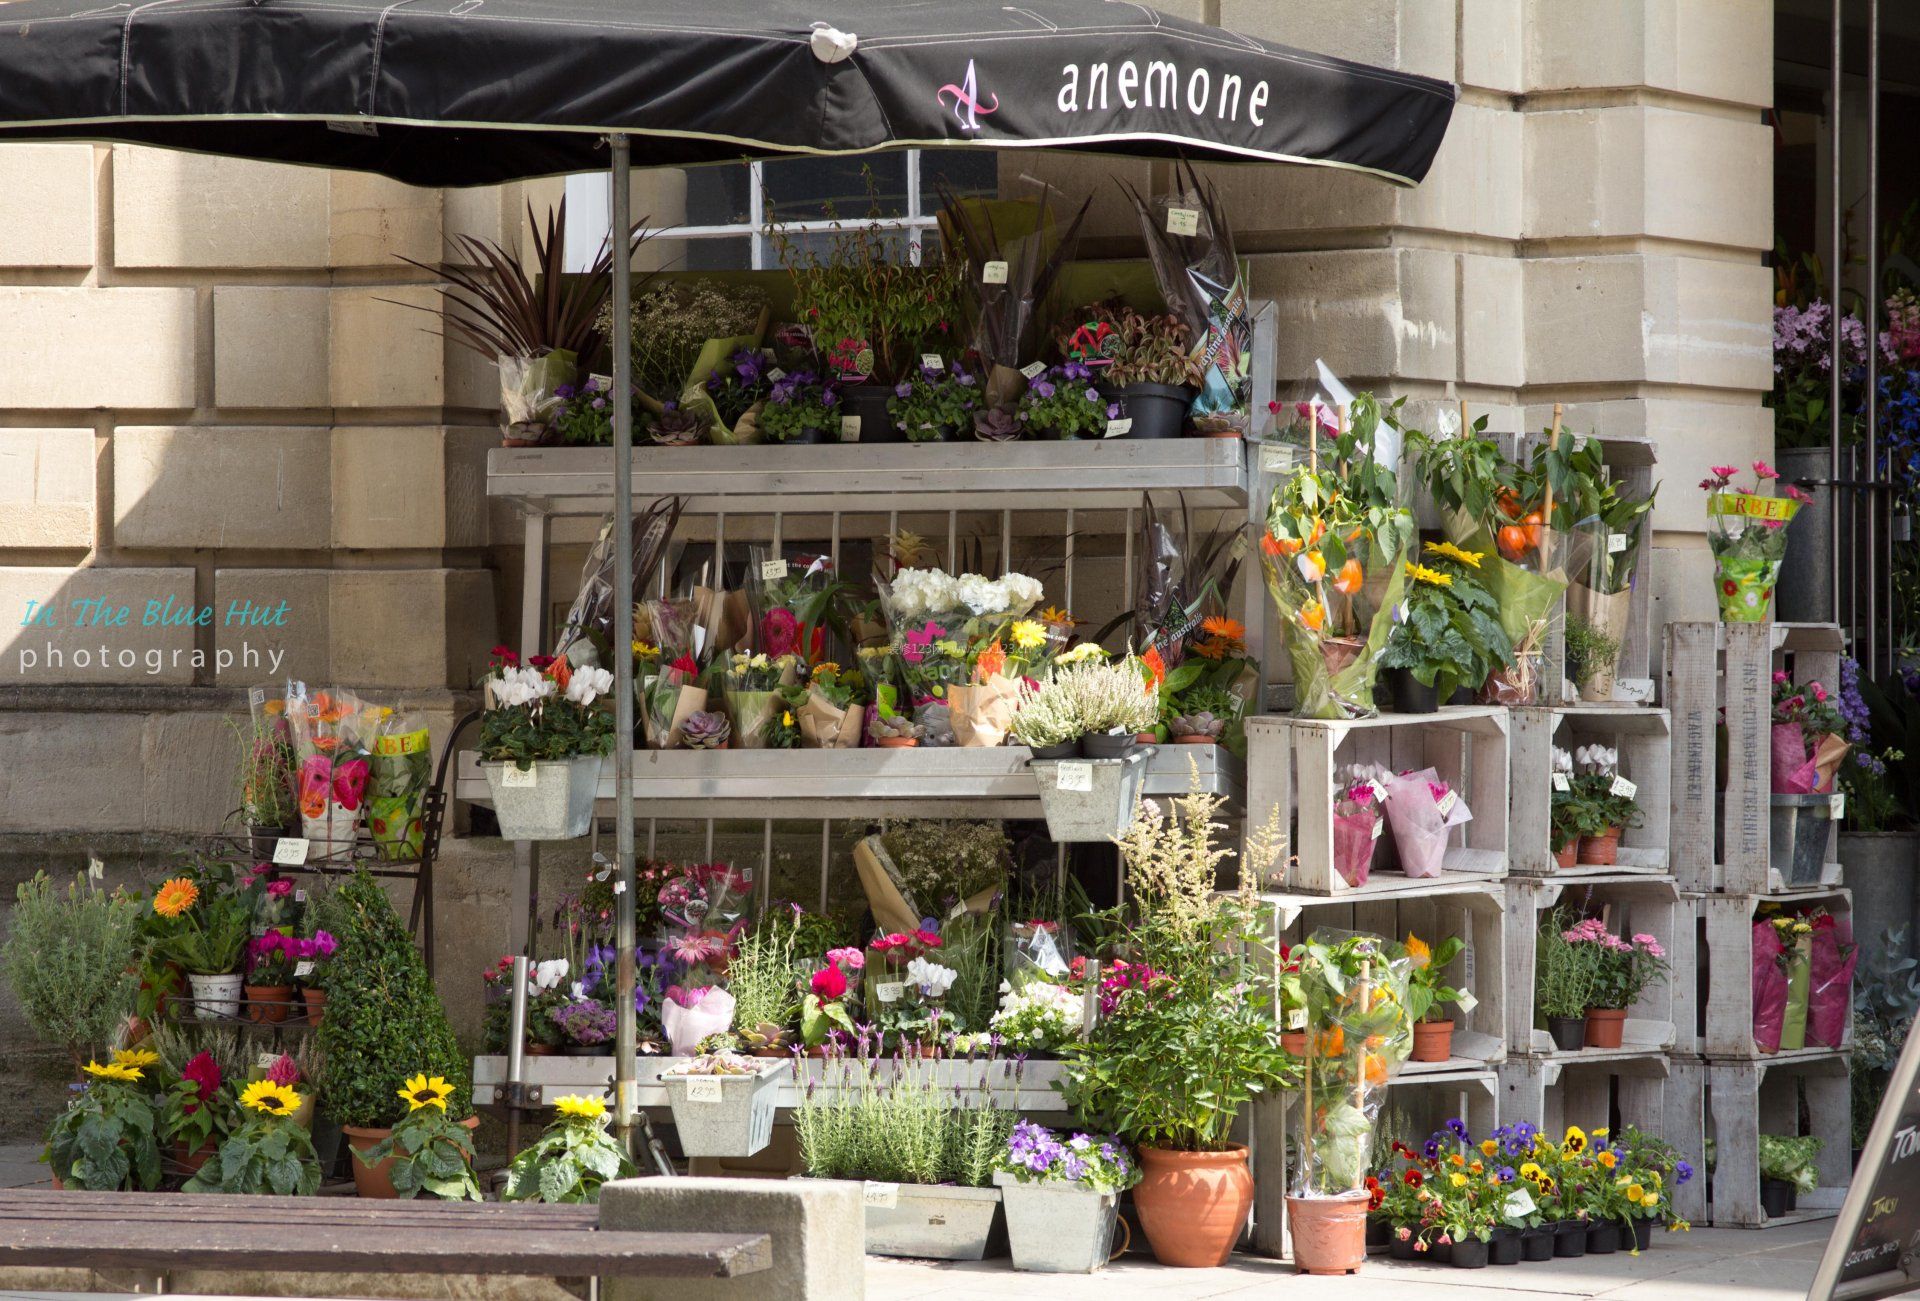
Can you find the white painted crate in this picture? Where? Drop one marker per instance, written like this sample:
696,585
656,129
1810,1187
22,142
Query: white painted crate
1719,835
1644,739
1748,1099
1290,769
1723,1007
1470,909
1630,903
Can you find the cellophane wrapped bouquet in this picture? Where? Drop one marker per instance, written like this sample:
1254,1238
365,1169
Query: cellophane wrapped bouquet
401,772
704,906
1748,534
1355,989
331,739
950,638
1423,811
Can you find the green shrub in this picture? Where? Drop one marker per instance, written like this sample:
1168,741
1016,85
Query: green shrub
68,959
384,1020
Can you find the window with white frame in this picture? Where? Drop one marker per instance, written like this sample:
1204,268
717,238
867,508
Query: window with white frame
718,217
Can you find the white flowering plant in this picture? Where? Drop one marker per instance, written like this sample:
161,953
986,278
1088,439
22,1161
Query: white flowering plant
1037,1017
545,709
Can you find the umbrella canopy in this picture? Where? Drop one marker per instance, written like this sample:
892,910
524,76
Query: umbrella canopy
459,92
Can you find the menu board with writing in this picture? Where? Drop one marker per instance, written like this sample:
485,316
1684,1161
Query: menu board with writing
1875,1247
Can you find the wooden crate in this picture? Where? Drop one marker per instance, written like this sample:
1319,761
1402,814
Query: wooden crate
1719,832
1290,769
1723,1004
1472,910
1631,903
1644,739
1748,1099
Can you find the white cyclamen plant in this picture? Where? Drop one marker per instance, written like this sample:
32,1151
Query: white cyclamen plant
1038,1016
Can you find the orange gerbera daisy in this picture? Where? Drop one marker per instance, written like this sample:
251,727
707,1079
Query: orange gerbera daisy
1213,648
1215,625
1156,667
175,896
991,661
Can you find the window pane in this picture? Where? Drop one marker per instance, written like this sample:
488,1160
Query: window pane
718,195
799,189
733,253
821,242
968,171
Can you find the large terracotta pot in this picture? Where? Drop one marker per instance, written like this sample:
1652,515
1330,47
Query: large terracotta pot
192,1161
316,1000
1600,851
1193,1205
1432,1041
269,1004
1605,1025
1329,1233
374,1180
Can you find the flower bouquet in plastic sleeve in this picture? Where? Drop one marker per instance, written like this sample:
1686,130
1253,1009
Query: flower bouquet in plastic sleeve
1792,954
1423,811
1359,818
1200,277
704,907
1830,978
888,959
753,684
1748,535
1606,527
529,399
330,735
681,644
796,602
401,770
1809,737
1038,950
1772,944
1335,555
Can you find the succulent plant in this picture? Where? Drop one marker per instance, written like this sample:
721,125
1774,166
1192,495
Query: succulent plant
718,1045
891,726
1152,350
1200,723
997,425
936,723
767,1038
678,427
706,730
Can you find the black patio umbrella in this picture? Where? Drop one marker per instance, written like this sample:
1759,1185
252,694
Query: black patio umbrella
471,92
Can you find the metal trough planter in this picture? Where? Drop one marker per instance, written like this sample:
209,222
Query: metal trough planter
1090,799
552,800
725,1115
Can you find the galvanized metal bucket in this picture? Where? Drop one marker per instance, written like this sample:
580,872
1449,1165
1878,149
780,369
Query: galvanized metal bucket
1090,799
1799,836
551,800
725,1115
932,1222
1058,1228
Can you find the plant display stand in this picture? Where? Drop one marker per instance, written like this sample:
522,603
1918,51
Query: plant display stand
1725,1014
1645,744
1748,1099
1291,767
1720,836
1630,903
1640,1090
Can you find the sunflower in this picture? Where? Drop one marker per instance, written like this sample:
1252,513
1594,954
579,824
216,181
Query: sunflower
175,896
1421,574
138,1058
271,1099
1028,634
1451,552
1575,1142
423,1092
113,1071
585,1108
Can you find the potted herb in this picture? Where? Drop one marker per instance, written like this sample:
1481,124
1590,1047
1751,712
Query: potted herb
266,782
194,1116
1748,535
69,958
1048,721
206,938
1153,375
933,404
1062,1197
723,1102
571,1159
1447,635
925,1146
106,1138
1592,657
800,408
269,977
1061,402
542,737
427,1152
764,978
1428,993
1622,971
271,1153
1563,982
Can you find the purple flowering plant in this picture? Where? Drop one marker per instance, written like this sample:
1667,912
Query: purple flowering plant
934,402
585,418
1062,402
800,407
743,381
1037,1155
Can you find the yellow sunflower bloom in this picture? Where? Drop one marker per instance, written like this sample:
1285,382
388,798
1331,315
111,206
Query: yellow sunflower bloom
271,1099
1028,634
1451,552
1432,577
585,1108
175,896
1575,1142
423,1092
138,1058
113,1071
1457,1179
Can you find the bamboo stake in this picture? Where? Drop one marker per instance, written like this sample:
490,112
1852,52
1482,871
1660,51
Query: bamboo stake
1464,426
1360,1076
1546,510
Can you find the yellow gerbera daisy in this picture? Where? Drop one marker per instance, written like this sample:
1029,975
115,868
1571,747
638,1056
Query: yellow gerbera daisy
1433,577
138,1058
585,1108
423,1092
1028,634
271,1099
175,896
1575,1142
1452,552
113,1071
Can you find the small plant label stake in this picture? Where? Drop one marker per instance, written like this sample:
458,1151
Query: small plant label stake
515,776
1119,428
881,1196
1034,369
1616,542
932,361
1447,802
1560,782
993,273
775,375
1623,788
265,1061
772,570
1637,691
1183,221
849,429
1073,777
291,851
301,970
704,1088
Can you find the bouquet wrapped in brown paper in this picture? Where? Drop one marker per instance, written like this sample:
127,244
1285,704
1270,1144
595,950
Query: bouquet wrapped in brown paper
833,713
678,638
982,712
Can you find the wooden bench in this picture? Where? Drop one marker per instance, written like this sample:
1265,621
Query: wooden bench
154,1233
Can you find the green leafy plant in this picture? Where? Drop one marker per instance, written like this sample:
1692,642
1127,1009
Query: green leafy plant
798,406
764,977
1427,989
1790,1159
431,1152
270,1154
545,711
265,773
942,862
1360,1031
905,1124
1151,350
1451,636
105,1139
210,938
673,324
384,1018
1588,649
1465,474
67,959
195,1111
1563,972
1062,402
934,402
571,1159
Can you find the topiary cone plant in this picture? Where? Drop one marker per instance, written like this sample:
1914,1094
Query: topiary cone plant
384,1020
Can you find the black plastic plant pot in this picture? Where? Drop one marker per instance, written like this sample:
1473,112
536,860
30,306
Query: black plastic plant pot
1107,745
1401,1248
1440,1253
869,403
1409,696
1570,1239
1642,1234
1569,1032
1379,1231
1603,1238
1156,410
1537,1243
1470,1253
1776,1197
261,841
1505,1248
1064,750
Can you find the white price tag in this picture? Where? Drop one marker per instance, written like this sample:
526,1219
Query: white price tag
1623,788
1447,802
1073,777
257,696
291,851
993,273
1183,221
1034,369
704,1088
1639,691
96,868
1379,828
1560,782
1579,442
1379,791
1296,1018
931,361
602,382
1274,459
884,1196
1837,804
265,1061
514,777
302,969
958,910
849,429
775,375
1119,428
1616,542
746,876
772,569
890,991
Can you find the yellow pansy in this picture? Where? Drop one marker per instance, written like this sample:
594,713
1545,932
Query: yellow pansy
1575,1142
1608,1159
1636,1194
1532,1173
1488,1147
1457,1179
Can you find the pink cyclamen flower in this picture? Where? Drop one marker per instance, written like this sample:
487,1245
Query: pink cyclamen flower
849,959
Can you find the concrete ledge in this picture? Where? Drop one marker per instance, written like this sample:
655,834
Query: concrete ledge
818,1229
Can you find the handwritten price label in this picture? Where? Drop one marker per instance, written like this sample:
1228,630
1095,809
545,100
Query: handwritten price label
932,361
1560,782
1447,802
1183,221
1034,369
1837,805
1616,542
993,273
890,991
770,570
883,1196
1623,788
291,851
704,1088
513,777
1119,428
302,970
849,429
1074,777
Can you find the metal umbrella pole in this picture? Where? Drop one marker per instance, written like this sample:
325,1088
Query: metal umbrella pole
625,1032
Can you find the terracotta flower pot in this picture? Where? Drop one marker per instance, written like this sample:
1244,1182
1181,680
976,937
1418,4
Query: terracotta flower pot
1149,738
316,1000
192,1161
1295,1042
1196,739
1564,856
898,742
1193,1205
269,1004
1432,1041
1600,851
1329,1233
1605,1026
375,1181
539,1049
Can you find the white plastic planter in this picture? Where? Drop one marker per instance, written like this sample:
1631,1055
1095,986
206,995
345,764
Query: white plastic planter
216,998
931,1222
1058,1228
1090,799
725,1115
551,800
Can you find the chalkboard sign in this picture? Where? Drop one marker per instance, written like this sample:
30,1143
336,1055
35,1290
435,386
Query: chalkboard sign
1875,1247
